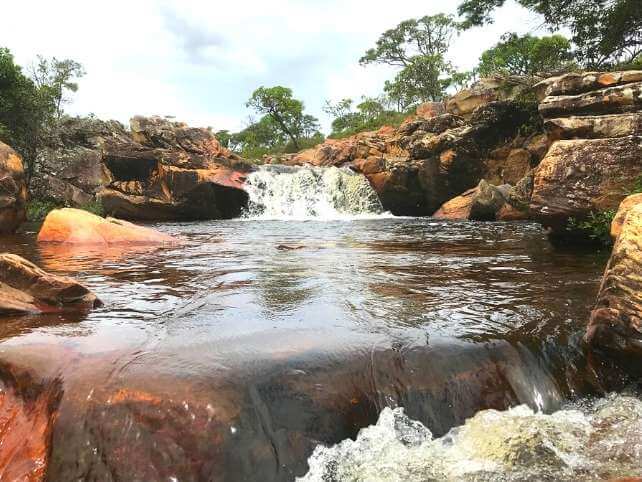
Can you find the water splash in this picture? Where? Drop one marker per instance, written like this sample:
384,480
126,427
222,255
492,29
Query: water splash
599,440
299,193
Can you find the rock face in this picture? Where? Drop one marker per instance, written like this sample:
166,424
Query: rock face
13,190
75,226
578,177
25,288
623,210
616,321
159,170
426,161
595,120
486,90
481,203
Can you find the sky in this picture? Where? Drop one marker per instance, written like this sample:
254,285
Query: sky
200,61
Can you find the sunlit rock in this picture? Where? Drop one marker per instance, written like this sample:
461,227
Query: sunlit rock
75,226
25,288
13,190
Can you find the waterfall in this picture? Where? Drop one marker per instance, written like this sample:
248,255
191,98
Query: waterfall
298,193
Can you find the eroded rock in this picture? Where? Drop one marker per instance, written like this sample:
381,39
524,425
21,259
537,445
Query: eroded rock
594,127
578,177
576,83
25,288
616,321
481,203
13,190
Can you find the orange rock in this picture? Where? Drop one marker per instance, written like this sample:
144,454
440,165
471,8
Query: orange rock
76,226
623,210
13,190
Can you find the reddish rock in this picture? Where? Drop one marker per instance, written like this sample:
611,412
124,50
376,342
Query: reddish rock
578,177
428,110
481,203
75,226
616,320
577,83
484,91
13,190
625,206
25,288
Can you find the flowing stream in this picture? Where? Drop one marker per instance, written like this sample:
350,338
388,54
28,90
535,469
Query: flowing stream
252,350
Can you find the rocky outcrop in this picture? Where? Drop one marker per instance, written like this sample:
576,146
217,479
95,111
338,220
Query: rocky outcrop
578,177
159,170
616,321
75,226
595,121
625,206
25,288
427,160
13,190
485,90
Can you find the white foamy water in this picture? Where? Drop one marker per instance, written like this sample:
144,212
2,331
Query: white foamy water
600,440
300,193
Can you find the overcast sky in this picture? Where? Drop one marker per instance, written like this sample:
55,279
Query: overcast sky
200,60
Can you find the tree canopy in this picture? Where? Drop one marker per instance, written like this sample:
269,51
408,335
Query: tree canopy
604,32
526,55
370,114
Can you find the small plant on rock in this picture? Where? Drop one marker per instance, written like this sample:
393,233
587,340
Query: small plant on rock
597,226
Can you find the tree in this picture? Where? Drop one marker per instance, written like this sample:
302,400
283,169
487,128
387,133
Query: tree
285,112
419,47
604,32
25,110
57,77
526,55
371,114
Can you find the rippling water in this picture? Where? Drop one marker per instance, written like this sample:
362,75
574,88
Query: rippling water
238,352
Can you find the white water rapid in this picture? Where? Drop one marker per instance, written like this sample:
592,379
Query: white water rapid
300,193
601,440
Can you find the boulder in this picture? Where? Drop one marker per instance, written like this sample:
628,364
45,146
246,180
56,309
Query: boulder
485,90
594,127
75,226
613,100
578,177
578,82
428,110
13,190
25,288
615,325
625,206
481,203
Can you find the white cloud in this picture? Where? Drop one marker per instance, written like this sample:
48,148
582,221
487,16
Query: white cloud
200,60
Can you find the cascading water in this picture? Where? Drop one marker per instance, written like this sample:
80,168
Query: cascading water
600,440
298,193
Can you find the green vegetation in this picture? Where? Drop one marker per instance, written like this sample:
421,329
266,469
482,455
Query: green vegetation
604,33
527,56
637,186
597,226
30,106
371,114
37,209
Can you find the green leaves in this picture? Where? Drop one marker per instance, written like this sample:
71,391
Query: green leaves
526,55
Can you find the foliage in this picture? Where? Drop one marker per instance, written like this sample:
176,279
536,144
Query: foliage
283,115
597,226
37,209
31,108
57,79
604,32
526,55
637,186
371,114
419,47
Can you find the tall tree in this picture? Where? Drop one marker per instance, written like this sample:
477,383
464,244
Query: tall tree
419,47
58,78
604,32
285,111
526,55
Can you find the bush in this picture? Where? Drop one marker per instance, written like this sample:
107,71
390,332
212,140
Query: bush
597,226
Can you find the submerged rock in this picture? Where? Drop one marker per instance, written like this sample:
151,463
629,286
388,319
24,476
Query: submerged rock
75,226
616,321
13,190
25,288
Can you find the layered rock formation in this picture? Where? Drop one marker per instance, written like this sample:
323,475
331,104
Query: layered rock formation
75,226
159,170
595,120
427,160
25,288
616,322
13,190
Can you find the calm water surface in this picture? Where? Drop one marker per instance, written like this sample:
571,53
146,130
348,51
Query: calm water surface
235,353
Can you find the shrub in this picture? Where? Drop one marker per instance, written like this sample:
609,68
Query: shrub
597,226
